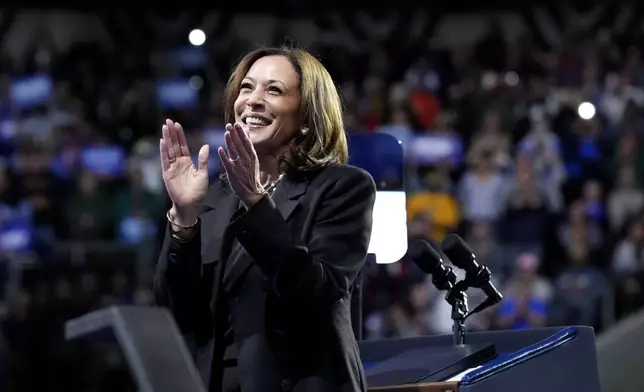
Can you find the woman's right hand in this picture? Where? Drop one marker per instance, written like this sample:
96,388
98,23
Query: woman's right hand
186,184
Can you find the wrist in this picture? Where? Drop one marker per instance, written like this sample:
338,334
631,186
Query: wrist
183,216
254,198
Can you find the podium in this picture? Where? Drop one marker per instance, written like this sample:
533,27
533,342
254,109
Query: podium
156,354
536,360
533,360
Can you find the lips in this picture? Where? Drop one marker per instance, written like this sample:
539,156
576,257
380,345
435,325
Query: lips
256,120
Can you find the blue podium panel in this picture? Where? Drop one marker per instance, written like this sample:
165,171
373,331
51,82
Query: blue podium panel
536,360
562,362
428,365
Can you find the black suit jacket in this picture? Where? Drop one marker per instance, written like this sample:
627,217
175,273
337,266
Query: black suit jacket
287,291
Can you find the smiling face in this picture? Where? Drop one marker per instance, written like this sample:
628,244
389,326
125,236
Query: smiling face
268,104
274,93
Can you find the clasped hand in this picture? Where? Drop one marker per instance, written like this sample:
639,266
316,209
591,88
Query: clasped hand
241,164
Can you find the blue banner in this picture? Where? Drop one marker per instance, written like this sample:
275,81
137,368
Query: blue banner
176,94
431,149
31,91
107,160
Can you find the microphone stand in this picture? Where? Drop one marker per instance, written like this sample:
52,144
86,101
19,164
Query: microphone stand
445,280
457,298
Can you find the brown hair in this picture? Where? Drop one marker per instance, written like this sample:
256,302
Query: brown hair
325,142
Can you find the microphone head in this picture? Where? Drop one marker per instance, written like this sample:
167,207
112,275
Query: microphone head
424,256
458,252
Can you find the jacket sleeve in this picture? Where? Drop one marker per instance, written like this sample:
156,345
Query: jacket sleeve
323,269
177,279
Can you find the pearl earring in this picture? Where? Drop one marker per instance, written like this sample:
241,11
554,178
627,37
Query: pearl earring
304,130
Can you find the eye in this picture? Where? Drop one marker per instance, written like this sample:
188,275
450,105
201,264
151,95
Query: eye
246,86
274,90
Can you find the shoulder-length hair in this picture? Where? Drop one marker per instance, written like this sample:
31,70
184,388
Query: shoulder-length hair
325,142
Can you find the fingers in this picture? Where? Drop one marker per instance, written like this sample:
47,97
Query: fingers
163,152
174,140
225,160
237,143
167,143
231,147
242,142
202,158
174,137
183,143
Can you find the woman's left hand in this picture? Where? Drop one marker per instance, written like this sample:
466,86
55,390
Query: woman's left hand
240,162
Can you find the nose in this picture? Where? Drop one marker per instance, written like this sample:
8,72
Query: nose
255,99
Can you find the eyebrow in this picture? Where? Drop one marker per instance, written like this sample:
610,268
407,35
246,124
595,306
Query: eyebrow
270,81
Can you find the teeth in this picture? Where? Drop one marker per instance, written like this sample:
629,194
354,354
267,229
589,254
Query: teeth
256,121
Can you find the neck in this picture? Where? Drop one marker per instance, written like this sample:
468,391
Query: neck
269,169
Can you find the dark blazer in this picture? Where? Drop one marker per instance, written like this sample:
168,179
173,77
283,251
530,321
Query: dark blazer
287,290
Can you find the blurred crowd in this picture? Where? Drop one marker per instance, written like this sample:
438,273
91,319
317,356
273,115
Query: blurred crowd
531,153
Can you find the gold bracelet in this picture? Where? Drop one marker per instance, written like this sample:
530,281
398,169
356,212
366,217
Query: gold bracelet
172,221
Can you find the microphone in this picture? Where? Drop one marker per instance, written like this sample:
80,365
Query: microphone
430,262
477,275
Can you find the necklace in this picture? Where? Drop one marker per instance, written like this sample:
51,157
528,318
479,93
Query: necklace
271,187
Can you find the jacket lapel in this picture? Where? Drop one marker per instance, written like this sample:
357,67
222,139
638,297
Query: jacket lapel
215,237
287,197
